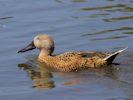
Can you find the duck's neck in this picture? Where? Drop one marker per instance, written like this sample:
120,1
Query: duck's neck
44,53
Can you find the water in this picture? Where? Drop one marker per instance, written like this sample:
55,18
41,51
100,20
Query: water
89,25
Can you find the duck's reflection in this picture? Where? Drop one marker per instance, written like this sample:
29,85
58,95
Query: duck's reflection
42,75
39,73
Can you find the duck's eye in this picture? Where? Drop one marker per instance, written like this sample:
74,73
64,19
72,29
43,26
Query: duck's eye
38,38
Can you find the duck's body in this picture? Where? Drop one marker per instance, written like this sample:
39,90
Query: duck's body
72,61
69,61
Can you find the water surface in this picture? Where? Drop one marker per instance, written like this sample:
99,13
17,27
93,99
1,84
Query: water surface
88,25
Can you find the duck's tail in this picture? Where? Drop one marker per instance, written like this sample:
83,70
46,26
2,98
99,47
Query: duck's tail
111,57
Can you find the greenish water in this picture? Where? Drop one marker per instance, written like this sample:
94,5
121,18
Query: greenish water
75,25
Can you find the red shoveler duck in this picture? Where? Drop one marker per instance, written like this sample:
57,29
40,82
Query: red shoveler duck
68,61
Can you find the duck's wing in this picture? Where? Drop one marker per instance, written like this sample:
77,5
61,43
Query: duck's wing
73,56
83,54
70,54
104,55
98,54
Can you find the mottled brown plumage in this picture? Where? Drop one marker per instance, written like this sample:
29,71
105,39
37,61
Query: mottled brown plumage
69,61
72,61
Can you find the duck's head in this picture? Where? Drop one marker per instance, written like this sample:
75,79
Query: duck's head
43,42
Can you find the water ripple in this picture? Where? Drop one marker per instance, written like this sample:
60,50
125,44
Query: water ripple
110,38
104,7
111,8
109,31
4,18
118,18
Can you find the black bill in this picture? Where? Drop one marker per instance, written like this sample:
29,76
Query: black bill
31,46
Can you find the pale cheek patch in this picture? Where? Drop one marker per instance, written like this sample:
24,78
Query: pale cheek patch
45,43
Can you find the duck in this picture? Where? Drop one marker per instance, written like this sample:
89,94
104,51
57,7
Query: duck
69,61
